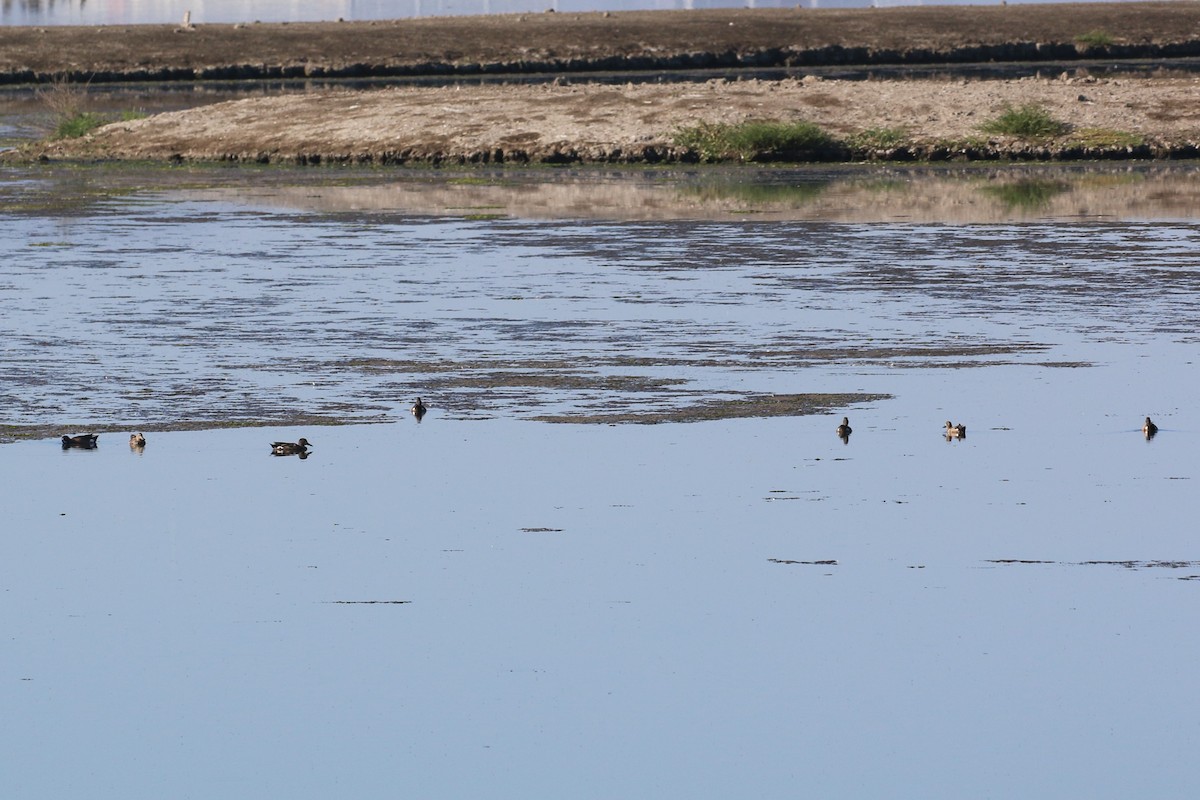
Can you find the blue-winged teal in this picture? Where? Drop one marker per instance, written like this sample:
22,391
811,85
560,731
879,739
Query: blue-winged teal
137,440
84,441
953,431
1149,428
291,448
419,409
844,429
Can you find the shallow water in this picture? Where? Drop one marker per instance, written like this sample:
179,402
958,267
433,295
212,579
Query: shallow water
487,604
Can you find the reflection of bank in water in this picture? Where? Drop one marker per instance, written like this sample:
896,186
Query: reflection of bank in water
973,194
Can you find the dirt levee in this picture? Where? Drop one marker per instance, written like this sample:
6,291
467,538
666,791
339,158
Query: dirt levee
596,123
567,42
573,121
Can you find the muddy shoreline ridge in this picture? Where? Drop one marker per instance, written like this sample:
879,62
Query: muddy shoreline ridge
579,122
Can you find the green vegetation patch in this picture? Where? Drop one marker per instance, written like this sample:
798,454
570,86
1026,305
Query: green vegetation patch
65,102
1106,138
77,125
82,123
755,141
874,139
1029,121
1095,38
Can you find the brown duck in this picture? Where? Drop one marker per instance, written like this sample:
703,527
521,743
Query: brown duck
299,448
84,441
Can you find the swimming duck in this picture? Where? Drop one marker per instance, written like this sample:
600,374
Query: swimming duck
953,431
84,441
291,448
844,430
1149,429
137,440
419,409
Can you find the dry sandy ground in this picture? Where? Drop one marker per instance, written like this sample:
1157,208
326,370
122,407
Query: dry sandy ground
625,40
571,121
589,122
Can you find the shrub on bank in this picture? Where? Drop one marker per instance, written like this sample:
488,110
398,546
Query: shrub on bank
1029,121
1096,38
65,103
754,141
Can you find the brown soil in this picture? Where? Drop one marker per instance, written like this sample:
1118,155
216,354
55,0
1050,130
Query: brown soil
585,122
635,123
626,40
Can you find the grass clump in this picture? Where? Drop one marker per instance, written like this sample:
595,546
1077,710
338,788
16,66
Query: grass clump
1096,38
754,141
1107,138
68,119
84,122
77,125
1029,121
874,139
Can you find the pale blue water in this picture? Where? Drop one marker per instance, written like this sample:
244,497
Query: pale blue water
75,12
486,605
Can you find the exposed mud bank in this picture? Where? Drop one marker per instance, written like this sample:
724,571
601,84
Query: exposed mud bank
626,41
638,123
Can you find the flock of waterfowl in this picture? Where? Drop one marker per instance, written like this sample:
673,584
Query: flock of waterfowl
137,441
959,431
953,431
88,441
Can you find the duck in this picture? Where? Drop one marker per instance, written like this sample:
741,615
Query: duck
137,440
953,431
844,430
1149,428
291,448
419,408
84,441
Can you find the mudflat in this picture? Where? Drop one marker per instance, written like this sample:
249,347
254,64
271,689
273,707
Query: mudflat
572,120
567,42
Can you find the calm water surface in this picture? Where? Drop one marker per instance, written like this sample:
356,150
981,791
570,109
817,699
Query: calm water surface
484,604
